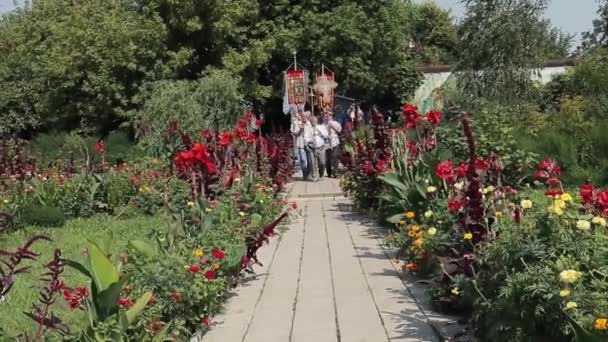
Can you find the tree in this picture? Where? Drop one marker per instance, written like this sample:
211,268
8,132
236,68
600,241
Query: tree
76,64
502,44
598,36
434,34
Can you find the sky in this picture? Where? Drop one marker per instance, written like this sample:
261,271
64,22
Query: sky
572,16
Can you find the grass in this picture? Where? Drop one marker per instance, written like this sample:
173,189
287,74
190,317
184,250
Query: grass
71,239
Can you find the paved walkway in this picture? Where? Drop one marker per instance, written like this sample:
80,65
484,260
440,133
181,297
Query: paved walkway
326,280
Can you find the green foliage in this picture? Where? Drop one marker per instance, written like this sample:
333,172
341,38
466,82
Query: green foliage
213,102
502,45
434,34
43,216
598,36
72,65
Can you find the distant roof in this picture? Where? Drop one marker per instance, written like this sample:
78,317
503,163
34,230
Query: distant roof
552,63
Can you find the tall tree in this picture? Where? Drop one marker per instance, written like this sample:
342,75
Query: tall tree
434,34
503,43
598,36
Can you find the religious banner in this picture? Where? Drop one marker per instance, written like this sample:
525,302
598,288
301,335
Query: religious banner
296,84
324,87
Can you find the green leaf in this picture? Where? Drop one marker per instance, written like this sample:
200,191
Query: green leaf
103,272
138,307
391,179
104,242
78,267
256,219
142,248
582,335
105,302
395,218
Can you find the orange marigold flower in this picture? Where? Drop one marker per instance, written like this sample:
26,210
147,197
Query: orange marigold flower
411,266
410,215
601,324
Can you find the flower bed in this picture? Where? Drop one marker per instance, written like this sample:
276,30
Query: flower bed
526,262
221,199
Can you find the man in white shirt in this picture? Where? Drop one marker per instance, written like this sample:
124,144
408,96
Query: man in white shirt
299,126
334,128
321,139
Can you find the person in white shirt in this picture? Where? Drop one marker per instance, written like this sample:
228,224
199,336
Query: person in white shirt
334,128
321,140
299,124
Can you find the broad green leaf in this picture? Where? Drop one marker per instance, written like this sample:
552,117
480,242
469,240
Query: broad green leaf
142,248
138,307
106,300
395,218
391,179
256,219
103,272
78,267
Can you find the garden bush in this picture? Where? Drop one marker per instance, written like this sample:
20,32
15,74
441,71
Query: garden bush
43,216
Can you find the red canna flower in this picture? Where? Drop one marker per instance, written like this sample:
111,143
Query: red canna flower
100,147
586,192
294,205
461,170
411,116
259,123
124,303
205,321
455,205
225,139
381,166
244,261
176,296
210,275
218,254
155,326
433,117
248,116
445,171
194,268
367,168
553,181
553,192
602,199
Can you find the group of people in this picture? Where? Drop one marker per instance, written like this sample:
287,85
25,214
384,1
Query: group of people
316,143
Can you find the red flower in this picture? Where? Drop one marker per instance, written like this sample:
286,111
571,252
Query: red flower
206,134
244,260
602,199
586,192
412,149
259,123
76,297
481,164
553,192
124,303
176,296
218,254
248,116
433,117
553,181
455,205
381,166
100,147
411,116
155,326
194,269
294,205
152,300
210,275
461,170
367,168
445,171
547,168
225,139
205,321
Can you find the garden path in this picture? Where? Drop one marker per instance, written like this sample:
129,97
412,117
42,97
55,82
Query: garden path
326,279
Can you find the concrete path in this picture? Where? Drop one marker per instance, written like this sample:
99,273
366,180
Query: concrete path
326,280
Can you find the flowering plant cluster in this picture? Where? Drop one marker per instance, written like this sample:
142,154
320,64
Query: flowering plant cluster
524,259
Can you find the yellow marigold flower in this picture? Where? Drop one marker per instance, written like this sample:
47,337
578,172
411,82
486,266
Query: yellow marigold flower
428,213
419,242
410,215
601,324
198,252
242,213
558,203
402,223
190,204
564,293
566,197
216,266
555,210
583,225
432,231
431,189
489,189
456,291
468,236
498,214
571,305
569,276
600,221
526,204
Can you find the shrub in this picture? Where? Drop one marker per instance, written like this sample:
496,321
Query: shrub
43,216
